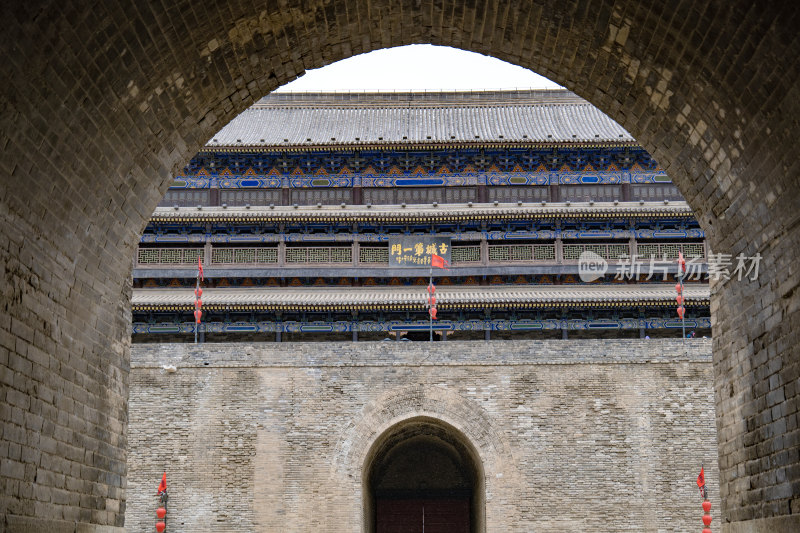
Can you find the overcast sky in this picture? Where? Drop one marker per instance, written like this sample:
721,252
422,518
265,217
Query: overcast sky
418,67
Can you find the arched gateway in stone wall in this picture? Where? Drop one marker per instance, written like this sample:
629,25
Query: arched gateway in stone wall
500,436
102,104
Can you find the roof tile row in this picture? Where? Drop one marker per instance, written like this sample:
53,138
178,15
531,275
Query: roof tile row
324,119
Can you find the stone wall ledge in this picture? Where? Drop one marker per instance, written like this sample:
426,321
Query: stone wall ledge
772,524
392,353
30,524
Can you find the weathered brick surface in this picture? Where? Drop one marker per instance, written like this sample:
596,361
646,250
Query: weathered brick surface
572,435
101,103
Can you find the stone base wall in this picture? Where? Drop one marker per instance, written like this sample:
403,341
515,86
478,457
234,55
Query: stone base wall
572,435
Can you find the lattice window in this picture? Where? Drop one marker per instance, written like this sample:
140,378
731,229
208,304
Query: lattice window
378,196
234,197
584,193
515,193
185,198
465,254
326,196
460,195
419,195
168,256
373,255
652,192
234,256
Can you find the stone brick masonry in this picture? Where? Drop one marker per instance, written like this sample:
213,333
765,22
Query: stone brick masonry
572,435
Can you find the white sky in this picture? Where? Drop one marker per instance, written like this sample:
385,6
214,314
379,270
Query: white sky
418,67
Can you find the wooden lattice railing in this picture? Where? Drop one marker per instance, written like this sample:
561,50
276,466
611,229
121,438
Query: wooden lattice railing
319,254
669,250
244,256
379,255
516,253
169,256
609,252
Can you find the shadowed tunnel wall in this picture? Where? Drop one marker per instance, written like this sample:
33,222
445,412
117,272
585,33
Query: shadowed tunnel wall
101,104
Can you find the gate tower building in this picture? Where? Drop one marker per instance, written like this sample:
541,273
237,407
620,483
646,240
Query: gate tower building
291,207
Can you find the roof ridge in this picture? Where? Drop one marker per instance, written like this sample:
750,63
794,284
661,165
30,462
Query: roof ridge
420,99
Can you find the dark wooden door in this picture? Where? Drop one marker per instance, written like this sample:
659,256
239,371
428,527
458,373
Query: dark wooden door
422,515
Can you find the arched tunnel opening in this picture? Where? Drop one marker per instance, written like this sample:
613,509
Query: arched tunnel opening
423,475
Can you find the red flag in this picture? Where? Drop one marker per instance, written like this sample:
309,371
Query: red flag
439,262
162,487
199,267
701,479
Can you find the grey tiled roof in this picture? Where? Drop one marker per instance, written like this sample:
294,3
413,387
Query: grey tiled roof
314,119
663,293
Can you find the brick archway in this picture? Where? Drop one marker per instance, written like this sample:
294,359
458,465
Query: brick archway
101,105
435,471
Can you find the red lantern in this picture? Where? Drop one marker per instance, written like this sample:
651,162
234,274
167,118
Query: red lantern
432,300
679,288
706,506
707,519
432,312
197,314
707,530
160,526
679,299
681,311
198,292
431,289
161,512
198,303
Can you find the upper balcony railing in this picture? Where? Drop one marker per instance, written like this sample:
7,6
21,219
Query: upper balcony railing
483,254
649,192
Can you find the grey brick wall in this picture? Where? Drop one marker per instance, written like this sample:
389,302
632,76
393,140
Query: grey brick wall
102,105
572,435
